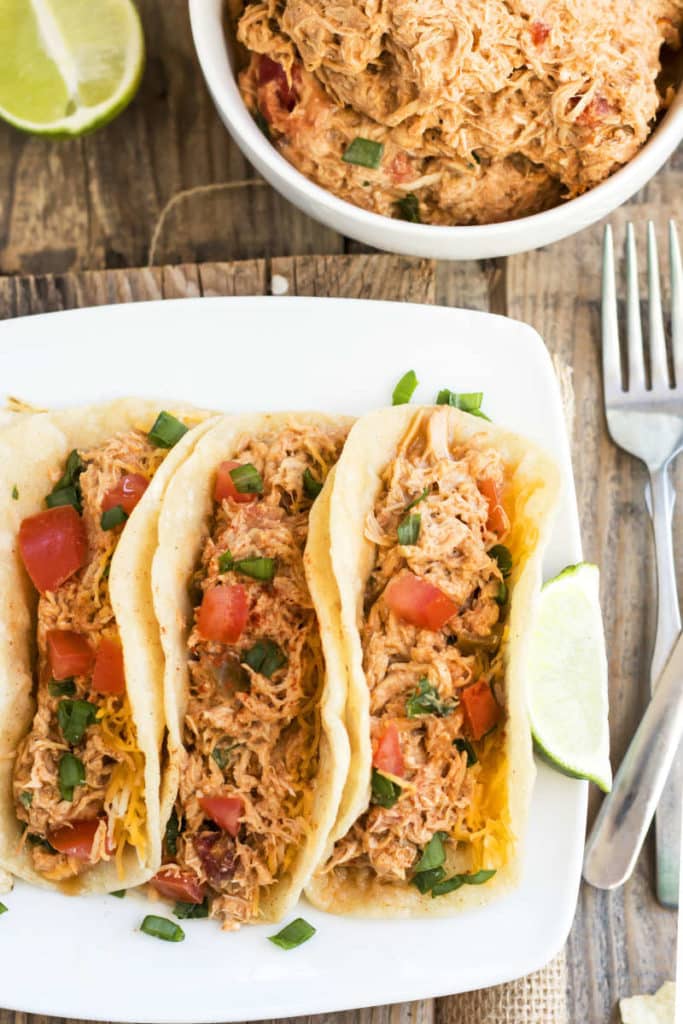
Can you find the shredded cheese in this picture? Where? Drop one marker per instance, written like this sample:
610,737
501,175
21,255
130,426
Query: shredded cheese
125,798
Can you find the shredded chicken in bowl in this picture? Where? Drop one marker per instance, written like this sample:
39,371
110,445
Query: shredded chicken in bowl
457,111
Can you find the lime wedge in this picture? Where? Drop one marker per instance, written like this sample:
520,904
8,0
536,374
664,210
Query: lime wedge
68,66
568,677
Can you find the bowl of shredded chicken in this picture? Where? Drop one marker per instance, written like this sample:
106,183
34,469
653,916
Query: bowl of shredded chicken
476,117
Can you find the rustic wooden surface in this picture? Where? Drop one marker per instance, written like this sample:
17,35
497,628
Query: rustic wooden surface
102,202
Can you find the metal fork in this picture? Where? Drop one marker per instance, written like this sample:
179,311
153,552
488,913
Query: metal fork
645,418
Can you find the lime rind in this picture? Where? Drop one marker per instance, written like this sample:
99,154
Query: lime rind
568,701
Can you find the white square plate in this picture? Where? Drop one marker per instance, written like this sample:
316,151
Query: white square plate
84,957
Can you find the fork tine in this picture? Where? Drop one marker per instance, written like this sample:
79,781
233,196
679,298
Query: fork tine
676,303
636,360
659,370
611,362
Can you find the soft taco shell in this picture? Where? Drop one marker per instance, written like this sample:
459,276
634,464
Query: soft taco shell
30,450
533,487
183,528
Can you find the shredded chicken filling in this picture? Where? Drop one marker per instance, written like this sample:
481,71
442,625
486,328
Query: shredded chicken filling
486,110
108,750
252,737
439,785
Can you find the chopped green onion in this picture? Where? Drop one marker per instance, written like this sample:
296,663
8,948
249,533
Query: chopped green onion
191,910
15,493
35,840
467,401
409,529
113,517
74,717
502,595
73,469
465,747
247,479
405,388
433,854
426,701
258,568
384,791
61,688
364,153
503,557
3,908
26,798
162,928
408,208
312,487
225,562
65,496
171,834
416,501
426,879
118,893
293,934
166,431
71,774
221,755
265,657
451,884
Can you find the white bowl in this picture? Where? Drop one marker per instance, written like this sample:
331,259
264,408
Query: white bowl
436,242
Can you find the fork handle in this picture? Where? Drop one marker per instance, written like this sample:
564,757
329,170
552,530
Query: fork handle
668,817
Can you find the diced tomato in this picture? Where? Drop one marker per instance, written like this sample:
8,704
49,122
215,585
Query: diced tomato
539,32
108,675
223,614
596,111
419,602
497,520
127,493
76,839
216,851
482,711
53,546
400,168
387,755
225,811
183,886
69,654
225,485
270,71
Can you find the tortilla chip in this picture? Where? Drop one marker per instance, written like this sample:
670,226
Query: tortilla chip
657,1009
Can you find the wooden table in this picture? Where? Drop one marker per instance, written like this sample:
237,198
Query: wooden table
99,202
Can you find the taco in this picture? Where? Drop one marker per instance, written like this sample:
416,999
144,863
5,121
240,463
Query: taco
437,522
257,747
81,667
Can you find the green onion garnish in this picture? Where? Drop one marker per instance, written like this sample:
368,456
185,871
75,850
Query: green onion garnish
247,479
364,153
265,657
3,908
384,791
118,893
426,701
312,487
405,388
64,496
188,911
293,934
467,401
67,490
409,529
113,517
451,884
71,774
221,755
26,798
171,834
416,501
427,879
161,927
503,557
15,493
408,208
74,717
35,840
166,431
225,562
61,688
502,595
433,854
258,568
464,746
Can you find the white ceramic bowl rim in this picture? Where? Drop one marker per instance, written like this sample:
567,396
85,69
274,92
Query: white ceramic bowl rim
207,19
